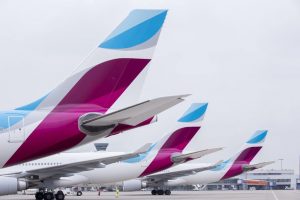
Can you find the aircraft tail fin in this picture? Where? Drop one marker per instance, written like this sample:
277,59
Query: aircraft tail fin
245,155
251,147
103,77
188,127
175,142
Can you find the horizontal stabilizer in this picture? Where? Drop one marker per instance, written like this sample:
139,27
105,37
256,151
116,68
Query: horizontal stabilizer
143,149
160,177
257,166
194,155
132,115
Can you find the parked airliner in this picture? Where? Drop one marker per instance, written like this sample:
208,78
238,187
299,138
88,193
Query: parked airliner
166,153
79,109
202,173
26,175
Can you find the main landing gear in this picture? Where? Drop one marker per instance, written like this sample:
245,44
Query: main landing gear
59,195
79,193
41,195
161,192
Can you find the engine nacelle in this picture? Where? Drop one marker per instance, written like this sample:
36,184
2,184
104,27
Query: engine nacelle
133,185
11,185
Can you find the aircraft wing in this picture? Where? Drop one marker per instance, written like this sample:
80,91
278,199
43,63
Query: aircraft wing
256,166
132,115
194,155
69,169
159,177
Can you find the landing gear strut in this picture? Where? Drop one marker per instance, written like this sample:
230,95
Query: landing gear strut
161,192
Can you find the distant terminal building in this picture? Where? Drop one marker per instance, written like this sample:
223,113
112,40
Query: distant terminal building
278,179
254,180
259,180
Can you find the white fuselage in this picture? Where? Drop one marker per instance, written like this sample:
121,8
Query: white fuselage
121,171
115,172
56,160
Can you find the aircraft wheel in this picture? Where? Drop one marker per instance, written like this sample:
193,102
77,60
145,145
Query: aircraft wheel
48,196
167,192
39,196
79,193
154,192
60,195
160,192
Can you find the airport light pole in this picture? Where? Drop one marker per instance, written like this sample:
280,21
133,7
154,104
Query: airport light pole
281,160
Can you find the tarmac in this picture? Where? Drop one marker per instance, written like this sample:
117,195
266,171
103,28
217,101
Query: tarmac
190,195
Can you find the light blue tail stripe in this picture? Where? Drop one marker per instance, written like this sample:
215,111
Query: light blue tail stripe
137,28
33,105
221,166
9,119
134,18
194,113
258,136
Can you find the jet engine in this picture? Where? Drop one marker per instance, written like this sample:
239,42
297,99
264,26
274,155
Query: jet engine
133,185
11,185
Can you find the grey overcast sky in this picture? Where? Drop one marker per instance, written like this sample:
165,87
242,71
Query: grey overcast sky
240,56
